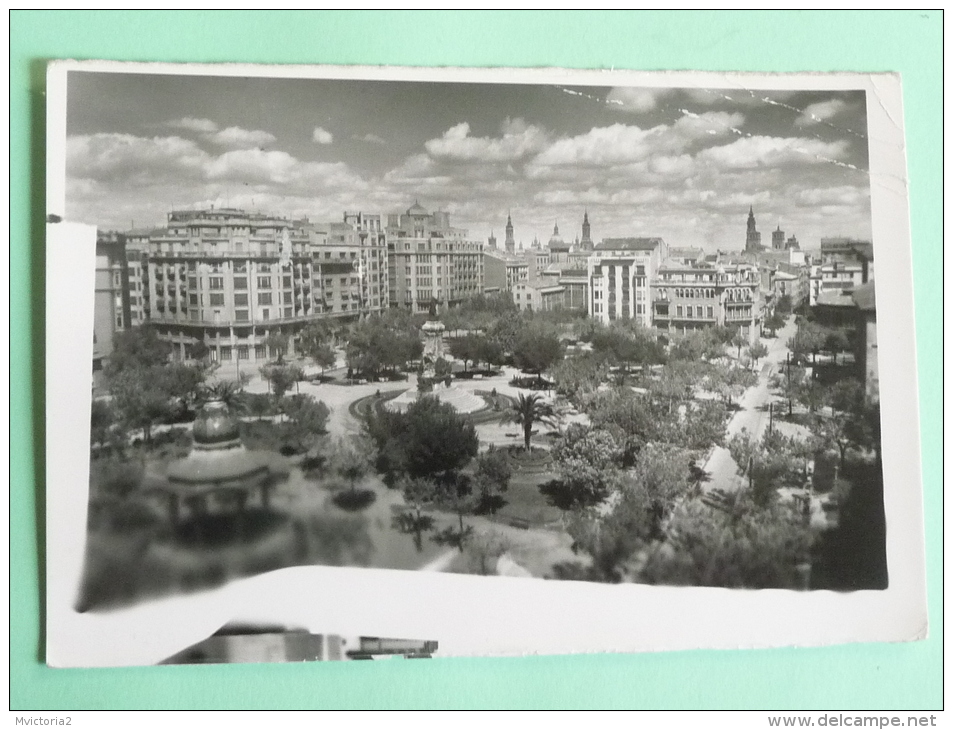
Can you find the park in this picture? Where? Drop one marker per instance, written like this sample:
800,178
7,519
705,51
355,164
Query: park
489,441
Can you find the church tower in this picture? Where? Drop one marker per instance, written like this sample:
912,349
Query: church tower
753,239
586,243
777,239
491,241
509,243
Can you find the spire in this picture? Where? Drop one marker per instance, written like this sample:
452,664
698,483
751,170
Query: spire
556,229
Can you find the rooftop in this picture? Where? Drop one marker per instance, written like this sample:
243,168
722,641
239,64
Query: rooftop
629,244
864,298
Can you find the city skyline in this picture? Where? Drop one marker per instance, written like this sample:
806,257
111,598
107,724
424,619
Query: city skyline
683,164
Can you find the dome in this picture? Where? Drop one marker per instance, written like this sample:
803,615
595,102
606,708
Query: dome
417,209
214,426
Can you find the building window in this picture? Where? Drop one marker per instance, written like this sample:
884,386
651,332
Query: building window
286,282
259,352
240,282
289,311
216,282
226,352
241,315
216,300
193,300
264,297
193,282
264,282
711,313
678,311
241,300
264,315
243,352
240,267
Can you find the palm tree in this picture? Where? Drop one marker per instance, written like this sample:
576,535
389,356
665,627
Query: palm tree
528,411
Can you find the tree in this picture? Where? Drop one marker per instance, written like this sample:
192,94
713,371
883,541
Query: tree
739,340
314,342
277,344
140,398
784,305
103,422
702,426
647,497
281,378
731,381
587,459
536,350
183,384
754,548
419,494
756,352
578,376
429,440
809,340
492,478
789,384
624,347
464,348
307,418
352,459
775,321
137,347
455,492
526,412
706,344
836,340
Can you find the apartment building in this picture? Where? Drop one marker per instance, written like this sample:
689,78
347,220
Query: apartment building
620,272
845,264
431,263
687,297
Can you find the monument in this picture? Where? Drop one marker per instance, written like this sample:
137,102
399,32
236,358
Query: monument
428,382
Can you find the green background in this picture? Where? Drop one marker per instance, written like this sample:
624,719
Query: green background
872,677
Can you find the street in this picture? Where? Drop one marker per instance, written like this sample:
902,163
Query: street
753,414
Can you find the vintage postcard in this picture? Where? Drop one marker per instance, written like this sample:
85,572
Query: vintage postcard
504,361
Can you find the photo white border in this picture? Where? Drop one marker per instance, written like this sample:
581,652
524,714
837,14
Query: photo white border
470,615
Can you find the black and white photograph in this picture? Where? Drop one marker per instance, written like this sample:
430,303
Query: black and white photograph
617,332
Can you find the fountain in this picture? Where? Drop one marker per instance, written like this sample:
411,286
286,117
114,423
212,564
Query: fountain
463,401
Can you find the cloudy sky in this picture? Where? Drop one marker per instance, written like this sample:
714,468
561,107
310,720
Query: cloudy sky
683,164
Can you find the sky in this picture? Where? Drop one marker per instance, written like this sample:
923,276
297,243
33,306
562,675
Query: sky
683,164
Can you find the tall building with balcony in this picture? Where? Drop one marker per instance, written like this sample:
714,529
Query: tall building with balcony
502,271
349,266
688,297
431,263
229,278
845,264
620,272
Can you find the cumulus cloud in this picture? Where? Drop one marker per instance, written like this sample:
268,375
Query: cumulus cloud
636,100
322,136
844,195
192,124
758,151
238,138
517,141
372,138
118,157
820,112
624,144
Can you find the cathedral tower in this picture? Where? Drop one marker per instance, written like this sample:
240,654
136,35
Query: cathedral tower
586,243
510,243
753,239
